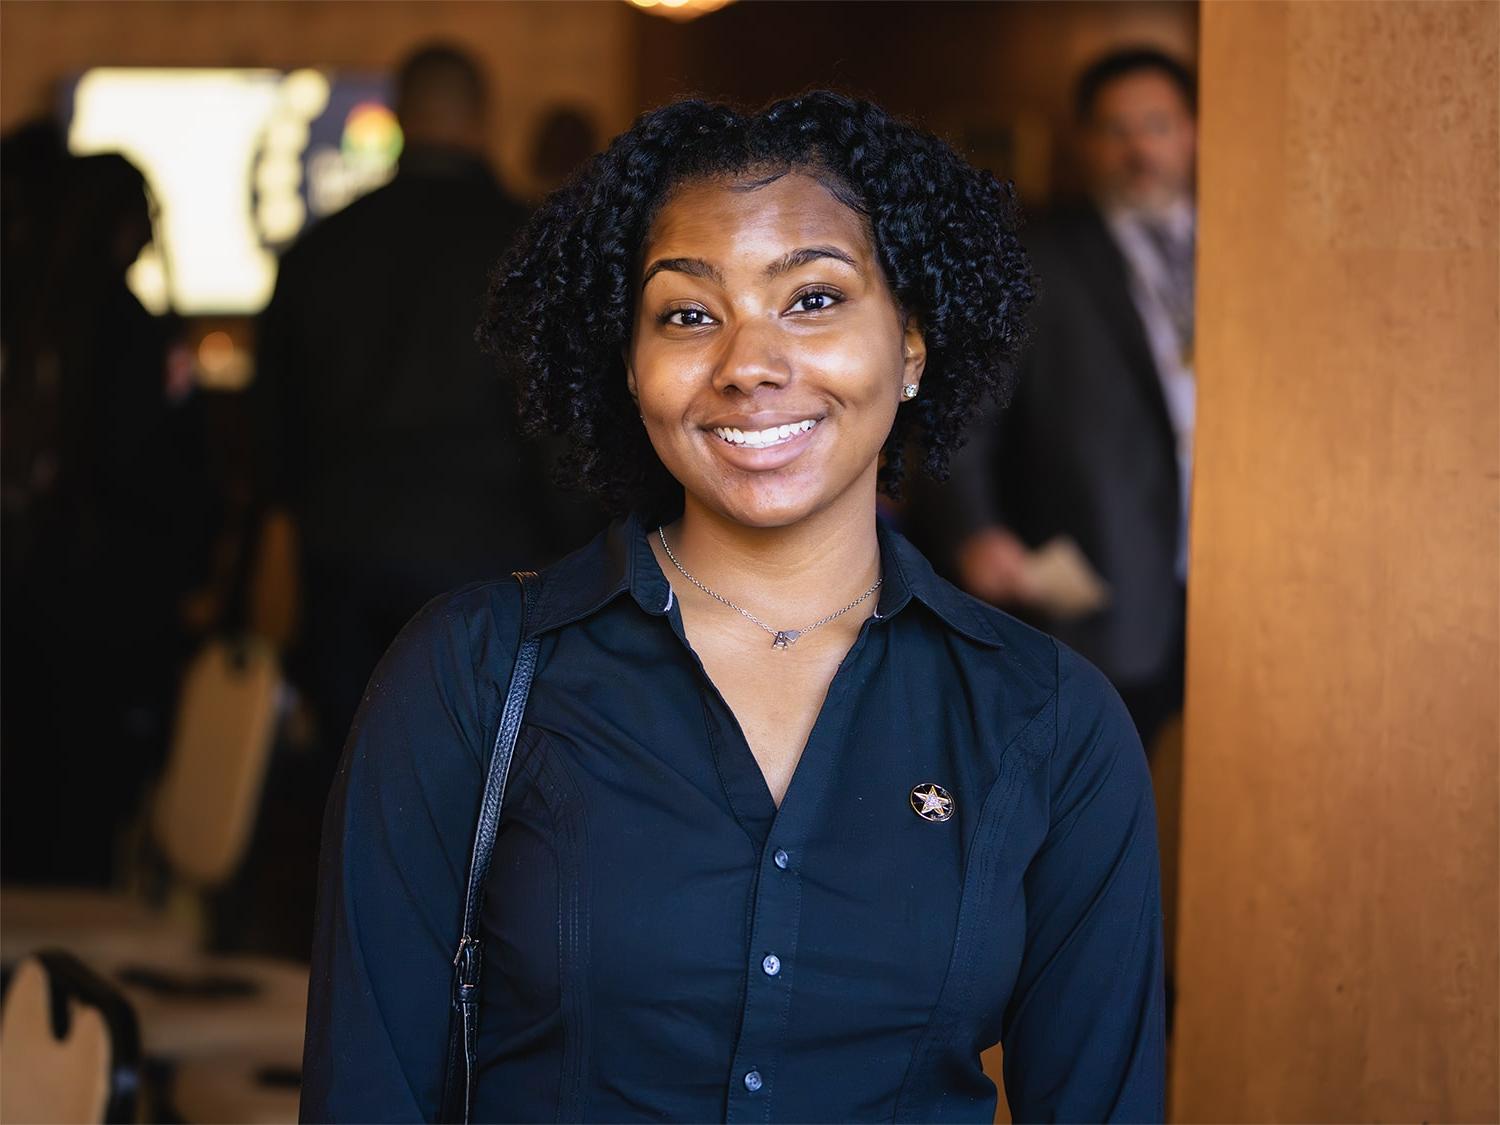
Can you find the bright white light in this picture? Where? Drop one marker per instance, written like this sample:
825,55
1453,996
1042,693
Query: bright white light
281,216
680,9
193,133
226,152
278,175
305,93
287,134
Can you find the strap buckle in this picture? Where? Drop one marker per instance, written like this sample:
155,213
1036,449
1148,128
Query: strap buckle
467,962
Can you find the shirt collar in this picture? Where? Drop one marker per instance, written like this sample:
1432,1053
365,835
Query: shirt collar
1178,219
619,560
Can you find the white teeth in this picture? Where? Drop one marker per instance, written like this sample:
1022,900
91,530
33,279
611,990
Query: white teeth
773,435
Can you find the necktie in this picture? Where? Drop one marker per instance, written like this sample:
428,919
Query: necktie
1175,252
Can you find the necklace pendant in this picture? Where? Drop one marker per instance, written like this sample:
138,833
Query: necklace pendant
785,638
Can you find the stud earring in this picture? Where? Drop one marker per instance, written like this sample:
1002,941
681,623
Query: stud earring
909,391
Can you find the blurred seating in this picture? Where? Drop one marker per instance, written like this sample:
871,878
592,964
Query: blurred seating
195,1008
208,1005
69,1049
201,818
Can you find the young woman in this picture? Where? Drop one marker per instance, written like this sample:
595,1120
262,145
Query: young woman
794,829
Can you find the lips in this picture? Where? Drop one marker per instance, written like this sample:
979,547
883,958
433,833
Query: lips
762,442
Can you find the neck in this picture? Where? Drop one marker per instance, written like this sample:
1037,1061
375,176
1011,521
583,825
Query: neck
785,575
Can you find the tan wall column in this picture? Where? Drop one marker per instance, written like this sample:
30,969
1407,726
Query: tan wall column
1339,910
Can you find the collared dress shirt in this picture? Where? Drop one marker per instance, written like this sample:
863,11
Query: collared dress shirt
1156,292
662,942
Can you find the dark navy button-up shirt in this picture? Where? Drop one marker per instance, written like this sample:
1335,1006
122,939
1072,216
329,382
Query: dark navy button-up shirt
661,942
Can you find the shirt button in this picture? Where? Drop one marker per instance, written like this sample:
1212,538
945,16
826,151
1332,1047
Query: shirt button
752,1081
781,858
772,964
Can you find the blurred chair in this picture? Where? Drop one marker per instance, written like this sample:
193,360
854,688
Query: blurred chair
201,818
191,1004
207,1005
69,1050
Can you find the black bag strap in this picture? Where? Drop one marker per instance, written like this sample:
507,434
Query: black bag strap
463,1023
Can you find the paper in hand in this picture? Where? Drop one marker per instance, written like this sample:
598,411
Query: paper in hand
1061,581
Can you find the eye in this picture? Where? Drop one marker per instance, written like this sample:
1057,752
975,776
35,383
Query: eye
816,300
689,318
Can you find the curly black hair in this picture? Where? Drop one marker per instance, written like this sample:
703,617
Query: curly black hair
561,304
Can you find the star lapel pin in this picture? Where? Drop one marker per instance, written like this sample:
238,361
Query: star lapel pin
931,801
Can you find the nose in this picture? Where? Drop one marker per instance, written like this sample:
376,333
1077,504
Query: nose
752,359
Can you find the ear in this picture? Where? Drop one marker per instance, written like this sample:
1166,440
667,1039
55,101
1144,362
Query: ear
914,349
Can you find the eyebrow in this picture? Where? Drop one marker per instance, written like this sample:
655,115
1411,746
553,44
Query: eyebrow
693,267
806,254
697,267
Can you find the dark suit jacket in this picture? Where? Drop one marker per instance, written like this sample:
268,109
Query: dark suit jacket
1087,450
382,424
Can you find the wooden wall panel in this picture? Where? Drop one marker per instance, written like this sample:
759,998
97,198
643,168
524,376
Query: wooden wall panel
1340,883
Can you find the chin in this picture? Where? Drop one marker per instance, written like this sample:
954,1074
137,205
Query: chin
765,512
772,504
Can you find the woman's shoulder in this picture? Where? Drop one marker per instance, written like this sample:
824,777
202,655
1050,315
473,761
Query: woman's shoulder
468,620
1085,704
1036,673
478,626
1003,645
445,667
1066,713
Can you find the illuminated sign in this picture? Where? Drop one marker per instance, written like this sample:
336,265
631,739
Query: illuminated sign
239,161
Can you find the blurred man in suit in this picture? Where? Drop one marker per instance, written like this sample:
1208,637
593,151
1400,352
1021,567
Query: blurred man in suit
1097,446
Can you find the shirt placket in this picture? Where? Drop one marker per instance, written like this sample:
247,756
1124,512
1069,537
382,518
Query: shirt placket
776,909
776,918
776,912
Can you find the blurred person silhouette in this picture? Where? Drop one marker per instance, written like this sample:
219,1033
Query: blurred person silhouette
565,138
105,513
390,464
33,162
1071,506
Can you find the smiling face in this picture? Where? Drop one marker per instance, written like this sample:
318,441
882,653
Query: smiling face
768,353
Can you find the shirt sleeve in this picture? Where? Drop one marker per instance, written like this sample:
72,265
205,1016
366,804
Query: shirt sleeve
1084,1034
397,834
